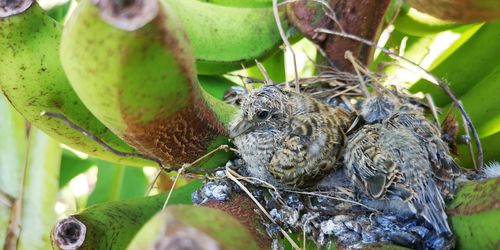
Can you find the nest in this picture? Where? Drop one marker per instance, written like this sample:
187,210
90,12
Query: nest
332,212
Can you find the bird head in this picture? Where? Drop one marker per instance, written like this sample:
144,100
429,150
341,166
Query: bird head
261,109
377,108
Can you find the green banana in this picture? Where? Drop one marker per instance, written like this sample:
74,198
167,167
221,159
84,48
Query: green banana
112,225
465,63
32,78
198,225
115,223
142,84
475,212
223,37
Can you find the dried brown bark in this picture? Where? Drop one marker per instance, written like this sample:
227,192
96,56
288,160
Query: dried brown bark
363,18
462,11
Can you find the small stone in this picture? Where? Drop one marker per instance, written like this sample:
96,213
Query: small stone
276,245
349,238
275,214
342,218
222,173
331,227
386,223
322,240
404,238
197,197
217,192
369,237
273,230
363,220
420,231
293,200
353,226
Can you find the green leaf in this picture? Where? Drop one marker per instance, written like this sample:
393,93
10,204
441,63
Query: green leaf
58,12
39,191
71,166
13,145
117,182
465,63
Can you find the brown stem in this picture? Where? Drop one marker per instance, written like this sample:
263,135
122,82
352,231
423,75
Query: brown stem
362,18
463,11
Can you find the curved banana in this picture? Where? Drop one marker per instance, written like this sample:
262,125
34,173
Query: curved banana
137,75
32,78
223,37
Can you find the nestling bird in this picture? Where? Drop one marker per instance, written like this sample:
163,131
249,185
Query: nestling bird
400,158
294,137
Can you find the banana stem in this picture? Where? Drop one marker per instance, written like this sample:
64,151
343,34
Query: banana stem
344,16
113,224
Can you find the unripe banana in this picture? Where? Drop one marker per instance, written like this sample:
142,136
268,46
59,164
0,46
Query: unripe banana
33,80
142,83
112,225
223,37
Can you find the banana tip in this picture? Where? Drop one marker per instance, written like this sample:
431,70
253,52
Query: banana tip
128,15
69,233
14,7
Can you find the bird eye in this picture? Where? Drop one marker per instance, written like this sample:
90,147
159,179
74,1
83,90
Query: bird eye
263,114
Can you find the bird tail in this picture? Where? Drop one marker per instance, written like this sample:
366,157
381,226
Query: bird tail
432,207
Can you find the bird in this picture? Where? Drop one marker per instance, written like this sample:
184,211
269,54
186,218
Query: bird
397,113
291,136
399,158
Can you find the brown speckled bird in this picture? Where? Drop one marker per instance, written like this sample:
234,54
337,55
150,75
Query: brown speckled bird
294,137
401,157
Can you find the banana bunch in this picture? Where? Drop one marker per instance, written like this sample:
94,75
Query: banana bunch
146,67
32,78
223,36
220,37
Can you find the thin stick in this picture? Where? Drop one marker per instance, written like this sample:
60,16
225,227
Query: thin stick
433,108
229,174
331,197
348,55
186,166
427,76
469,145
243,79
6,199
263,71
181,170
90,135
287,44
153,182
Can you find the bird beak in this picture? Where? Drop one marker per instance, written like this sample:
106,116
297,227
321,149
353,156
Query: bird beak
240,128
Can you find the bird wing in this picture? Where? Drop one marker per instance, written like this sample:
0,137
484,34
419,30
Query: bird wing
310,150
366,163
444,168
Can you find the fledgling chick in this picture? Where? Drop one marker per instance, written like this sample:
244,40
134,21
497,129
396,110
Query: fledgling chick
400,159
388,164
294,137
388,109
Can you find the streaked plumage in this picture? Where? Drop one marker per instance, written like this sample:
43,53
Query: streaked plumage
294,137
401,156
